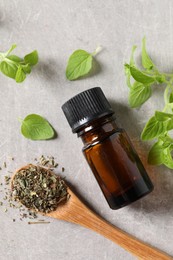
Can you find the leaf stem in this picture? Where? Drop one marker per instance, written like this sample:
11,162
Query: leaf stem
20,120
168,74
98,49
10,50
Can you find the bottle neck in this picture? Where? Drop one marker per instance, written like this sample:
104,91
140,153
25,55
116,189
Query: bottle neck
98,130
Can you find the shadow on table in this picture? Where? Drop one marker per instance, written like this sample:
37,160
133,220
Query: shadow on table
2,17
161,199
47,69
81,197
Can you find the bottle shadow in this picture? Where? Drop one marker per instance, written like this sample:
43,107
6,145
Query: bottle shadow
161,198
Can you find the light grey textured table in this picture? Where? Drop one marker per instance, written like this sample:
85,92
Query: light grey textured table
56,28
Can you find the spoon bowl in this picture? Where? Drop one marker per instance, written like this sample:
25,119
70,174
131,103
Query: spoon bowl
75,211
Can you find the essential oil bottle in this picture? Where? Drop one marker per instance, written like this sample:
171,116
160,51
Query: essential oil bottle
107,148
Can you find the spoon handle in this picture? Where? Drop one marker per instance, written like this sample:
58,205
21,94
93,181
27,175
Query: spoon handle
89,219
128,242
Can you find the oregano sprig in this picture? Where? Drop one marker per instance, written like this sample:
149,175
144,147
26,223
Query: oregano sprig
158,127
15,67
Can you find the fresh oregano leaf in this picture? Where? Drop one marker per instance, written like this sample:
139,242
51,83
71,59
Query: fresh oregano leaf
26,68
153,129
140,76
31,58
9,68
132,62
166,118
162,116
156,154
35,127
127,67
128,75
160,78
168,161
160,153
157,125
170,124
146,60
79,64
171,98
20,75
166,141
14,58
139,93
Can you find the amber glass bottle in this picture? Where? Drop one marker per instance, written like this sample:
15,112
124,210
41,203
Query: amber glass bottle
107,148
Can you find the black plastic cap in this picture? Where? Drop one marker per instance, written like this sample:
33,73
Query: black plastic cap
85,107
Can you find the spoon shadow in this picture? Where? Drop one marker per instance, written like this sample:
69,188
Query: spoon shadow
82,198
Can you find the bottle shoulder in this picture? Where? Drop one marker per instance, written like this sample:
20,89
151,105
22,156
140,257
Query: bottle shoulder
99,139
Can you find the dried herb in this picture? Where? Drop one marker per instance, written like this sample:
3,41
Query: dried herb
7,179
5,165
48,161
6,200
39,222
39,189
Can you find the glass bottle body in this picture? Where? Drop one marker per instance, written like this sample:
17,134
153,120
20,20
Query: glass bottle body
114,162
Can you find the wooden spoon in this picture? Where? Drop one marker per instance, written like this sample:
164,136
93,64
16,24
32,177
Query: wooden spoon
75,211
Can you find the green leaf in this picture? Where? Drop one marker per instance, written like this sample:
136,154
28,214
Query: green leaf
20,75
14,58
79,64
127,67
166,118
153,129
146,60
31,58
156,154
132,62
166,140
170,124
128,75
171,98
157,125
35,127
9,68
162,116
26,68
160,78
160,153
141,77
168,161
139,93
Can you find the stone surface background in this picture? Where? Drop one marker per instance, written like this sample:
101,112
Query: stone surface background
56,28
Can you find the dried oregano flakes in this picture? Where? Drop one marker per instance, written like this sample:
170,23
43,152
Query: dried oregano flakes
39,189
